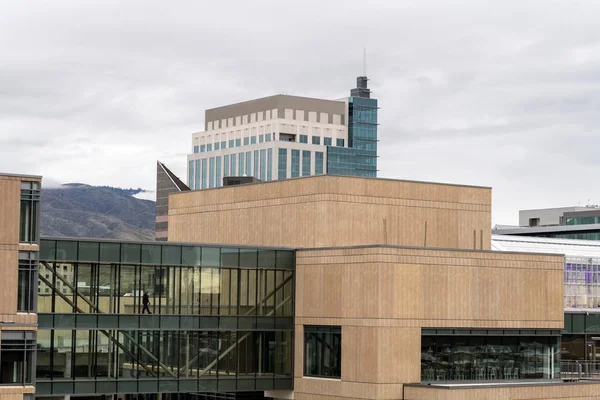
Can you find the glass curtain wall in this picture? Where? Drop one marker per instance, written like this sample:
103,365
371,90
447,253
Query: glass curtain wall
111,310
124,277
582,282
151,354
510,357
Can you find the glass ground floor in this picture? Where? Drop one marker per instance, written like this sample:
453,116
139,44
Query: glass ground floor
117,361
581,336
462,354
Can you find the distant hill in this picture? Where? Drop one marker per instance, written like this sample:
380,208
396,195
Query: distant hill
79,210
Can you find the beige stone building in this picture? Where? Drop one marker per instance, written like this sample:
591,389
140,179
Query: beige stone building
19,247
397,293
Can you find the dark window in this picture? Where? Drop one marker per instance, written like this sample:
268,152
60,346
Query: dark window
295,163
339,142
28,266
534,221
318,162
327,141
30,211
303,138
323,351
316,140
282,164
196,149
253,140
16,356
305,163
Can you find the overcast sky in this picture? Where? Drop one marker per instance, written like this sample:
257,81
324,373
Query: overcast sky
495,93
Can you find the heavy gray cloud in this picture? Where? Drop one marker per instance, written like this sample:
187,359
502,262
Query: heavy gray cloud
500,93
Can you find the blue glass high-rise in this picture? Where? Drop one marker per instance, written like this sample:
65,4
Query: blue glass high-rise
360,157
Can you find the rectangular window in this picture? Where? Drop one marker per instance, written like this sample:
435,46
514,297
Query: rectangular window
241,165
282,164
202,148
231,143
305,163
327,141
518,354
219,178
223,144
211,173
316,140
246,141
256,171
318,162
30,212
295,163
339,142
204,171
191,174
269,164
248,163
261,138
323,351
238,142
197,185
263,167
233,164
16,357
226,165
196,149
217,146
267,137
303,138
209,147
253,140
28,267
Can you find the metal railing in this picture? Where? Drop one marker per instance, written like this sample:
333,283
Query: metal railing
579,369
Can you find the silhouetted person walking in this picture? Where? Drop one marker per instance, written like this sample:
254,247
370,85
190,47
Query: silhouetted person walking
146,303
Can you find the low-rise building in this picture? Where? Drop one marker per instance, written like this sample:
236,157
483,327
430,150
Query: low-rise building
19,250
580,222
321,287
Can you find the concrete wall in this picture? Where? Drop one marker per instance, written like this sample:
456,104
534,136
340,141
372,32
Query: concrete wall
383,296
10,206
328,210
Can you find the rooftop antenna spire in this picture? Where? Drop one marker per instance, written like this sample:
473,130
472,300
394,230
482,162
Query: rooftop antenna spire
365,61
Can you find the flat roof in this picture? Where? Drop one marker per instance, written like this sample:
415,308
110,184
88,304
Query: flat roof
524,230
568,247
273,96
161,243
20,175
449,385
391,246
341,176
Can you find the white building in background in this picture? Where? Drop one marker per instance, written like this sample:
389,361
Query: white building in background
282,136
